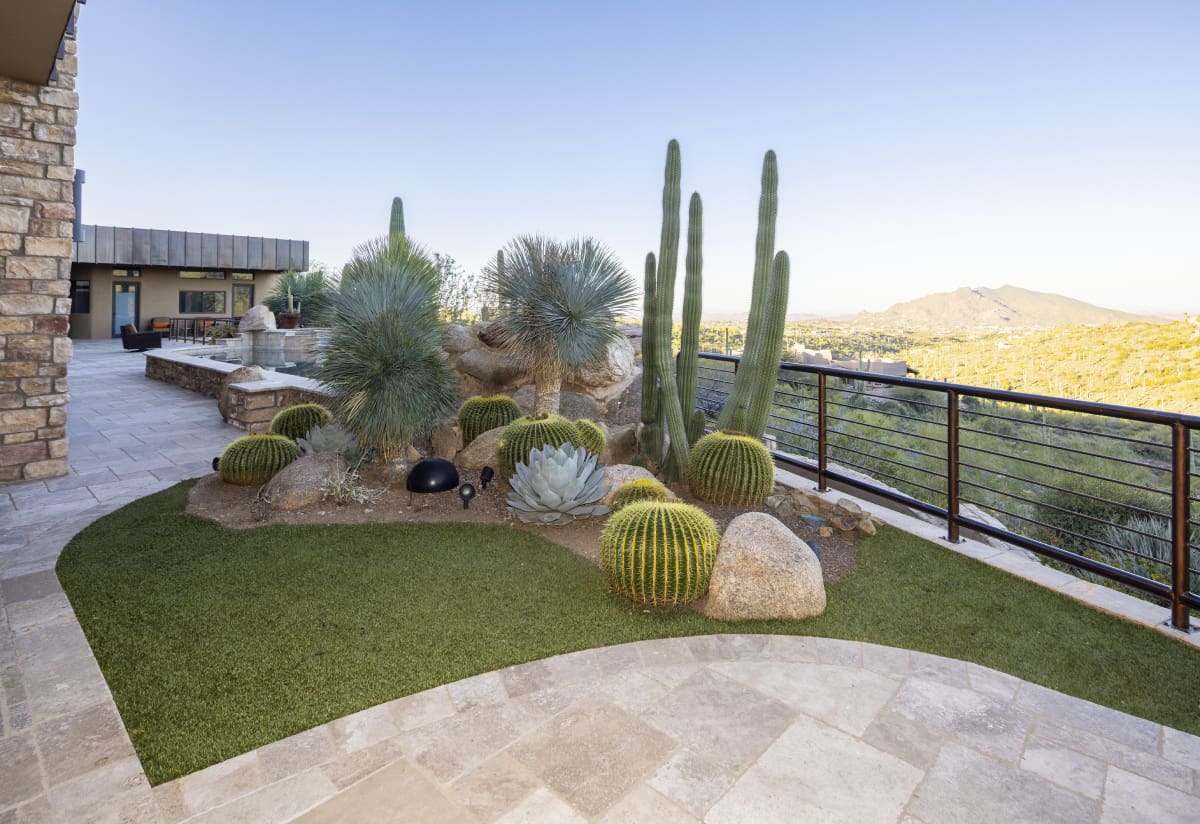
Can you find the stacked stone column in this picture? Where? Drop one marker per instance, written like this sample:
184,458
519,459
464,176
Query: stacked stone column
37,169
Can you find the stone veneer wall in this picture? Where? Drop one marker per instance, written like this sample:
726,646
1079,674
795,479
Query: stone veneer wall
253,405
37,170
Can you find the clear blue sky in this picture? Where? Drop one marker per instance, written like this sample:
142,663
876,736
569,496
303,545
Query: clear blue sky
922,145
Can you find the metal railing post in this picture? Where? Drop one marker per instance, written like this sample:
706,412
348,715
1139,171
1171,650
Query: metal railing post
1180,525
952,466
822,439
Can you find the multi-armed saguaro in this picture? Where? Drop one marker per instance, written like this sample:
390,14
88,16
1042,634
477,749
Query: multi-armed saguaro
662,405
754,384
668,405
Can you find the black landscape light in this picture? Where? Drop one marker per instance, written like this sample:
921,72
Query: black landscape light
466,492
217,464
431,475
485,477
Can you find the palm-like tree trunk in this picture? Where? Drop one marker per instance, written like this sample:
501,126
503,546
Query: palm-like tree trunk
547,388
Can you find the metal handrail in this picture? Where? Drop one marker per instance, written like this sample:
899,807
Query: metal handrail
1181,427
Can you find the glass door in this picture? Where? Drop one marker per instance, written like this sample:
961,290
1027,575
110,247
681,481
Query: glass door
243,298
124,306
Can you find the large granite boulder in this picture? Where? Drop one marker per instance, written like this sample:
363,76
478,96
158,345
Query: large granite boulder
460,339
491,368
618,474
257,319
243,374
488,332
632,333
302,483
481,452
571,405
616,366
622,443
445,441
763,571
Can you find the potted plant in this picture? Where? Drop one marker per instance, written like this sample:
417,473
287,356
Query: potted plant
291,318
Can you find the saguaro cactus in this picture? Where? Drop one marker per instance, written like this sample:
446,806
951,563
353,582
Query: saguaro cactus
675,466
763,392
396,225
649,375
689,341
764,336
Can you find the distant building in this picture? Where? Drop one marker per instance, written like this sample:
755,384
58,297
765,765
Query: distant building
147,276
878,366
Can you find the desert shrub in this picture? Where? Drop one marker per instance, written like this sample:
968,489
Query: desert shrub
315,291
382,359
558,307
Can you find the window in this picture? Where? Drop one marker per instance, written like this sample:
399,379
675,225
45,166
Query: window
127,273
242,275
194,275
81,297
195,303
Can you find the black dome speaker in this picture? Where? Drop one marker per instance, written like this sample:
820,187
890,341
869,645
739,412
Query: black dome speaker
432,475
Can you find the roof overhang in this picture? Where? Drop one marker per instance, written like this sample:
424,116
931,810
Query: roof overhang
30,34
120,246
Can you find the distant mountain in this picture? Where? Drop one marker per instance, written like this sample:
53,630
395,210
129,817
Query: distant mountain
1008,307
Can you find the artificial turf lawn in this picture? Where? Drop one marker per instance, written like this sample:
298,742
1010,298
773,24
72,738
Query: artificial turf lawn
217,641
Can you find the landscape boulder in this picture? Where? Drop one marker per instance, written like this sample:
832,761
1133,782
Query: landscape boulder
446,440
257,319
847,514
616,365
781,505
302,483
493,369
618,474
487,332
243,374
763,571
459,339
481,452
622,443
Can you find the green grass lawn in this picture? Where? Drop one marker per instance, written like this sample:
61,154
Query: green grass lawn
216,641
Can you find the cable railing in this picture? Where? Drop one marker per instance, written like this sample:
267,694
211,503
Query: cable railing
1109,492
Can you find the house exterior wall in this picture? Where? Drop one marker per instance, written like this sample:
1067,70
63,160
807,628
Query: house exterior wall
158,296
37,166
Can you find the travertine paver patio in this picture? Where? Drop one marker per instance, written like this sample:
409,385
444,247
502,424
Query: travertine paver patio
719,728
730,728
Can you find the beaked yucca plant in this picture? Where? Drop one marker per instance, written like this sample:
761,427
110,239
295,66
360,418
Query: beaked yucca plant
591,436
643,489
383,356
524,435
480,413
731,469
254,459
296,421
313,291
558,305
659,553
556,485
